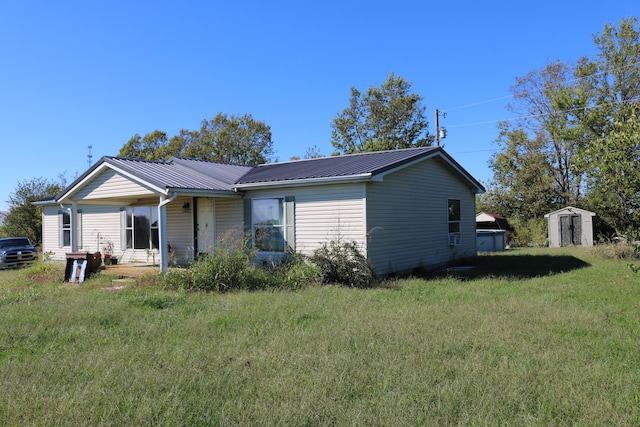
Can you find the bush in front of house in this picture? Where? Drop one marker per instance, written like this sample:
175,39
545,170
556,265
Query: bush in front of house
226,269
232,268
343,263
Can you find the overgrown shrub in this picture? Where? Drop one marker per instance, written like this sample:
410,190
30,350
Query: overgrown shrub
44,272
232,267
616,251
343,263
227,268
528,233
294,272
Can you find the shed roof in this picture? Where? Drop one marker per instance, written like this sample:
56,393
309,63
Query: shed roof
570,209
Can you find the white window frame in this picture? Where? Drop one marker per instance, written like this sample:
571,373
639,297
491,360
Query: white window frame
282,227
65,228
125,228
454,223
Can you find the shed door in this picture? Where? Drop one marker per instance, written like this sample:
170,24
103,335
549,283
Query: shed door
205,231
570,230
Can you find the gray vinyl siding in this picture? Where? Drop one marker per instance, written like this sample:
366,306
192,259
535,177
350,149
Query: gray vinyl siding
228,217
408,222
324,213
51,234
108,184
99,223
180,230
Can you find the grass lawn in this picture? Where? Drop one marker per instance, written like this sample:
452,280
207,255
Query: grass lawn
530,337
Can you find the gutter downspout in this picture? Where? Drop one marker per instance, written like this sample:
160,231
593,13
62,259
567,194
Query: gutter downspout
162,231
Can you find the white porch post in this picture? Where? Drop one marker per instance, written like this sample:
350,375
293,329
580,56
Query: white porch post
162,231
73,216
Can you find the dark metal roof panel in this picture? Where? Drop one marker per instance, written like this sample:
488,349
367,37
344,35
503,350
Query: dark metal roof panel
332,167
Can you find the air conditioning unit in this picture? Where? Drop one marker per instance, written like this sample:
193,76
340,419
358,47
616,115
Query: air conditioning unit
454,239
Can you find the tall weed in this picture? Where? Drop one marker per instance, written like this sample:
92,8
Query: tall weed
343,263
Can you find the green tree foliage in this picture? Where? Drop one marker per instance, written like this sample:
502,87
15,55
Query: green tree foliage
25,219
613,154
523,173
577,139
226,139
545,144
388,117
148,147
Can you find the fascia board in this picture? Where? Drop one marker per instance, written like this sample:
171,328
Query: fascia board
203,193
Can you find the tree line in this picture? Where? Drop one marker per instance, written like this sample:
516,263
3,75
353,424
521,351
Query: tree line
577,138
382,118
576,141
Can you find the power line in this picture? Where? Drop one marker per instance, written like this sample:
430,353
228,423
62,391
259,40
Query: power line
487,101
526,116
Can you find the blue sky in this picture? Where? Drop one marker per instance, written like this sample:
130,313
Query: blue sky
80,73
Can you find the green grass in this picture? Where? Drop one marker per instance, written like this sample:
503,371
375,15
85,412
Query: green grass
530,337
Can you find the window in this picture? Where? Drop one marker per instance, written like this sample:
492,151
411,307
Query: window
454,221
64,227
140,228
268,225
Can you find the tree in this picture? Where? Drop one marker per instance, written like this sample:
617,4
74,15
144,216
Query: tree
584,120
226,139
145,148
388,117
311,153
613,154
546,101
25,219
523,175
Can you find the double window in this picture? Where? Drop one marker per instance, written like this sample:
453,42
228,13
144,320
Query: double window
140,228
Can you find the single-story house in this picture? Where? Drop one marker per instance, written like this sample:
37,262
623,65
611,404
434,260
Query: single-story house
570,226
406,208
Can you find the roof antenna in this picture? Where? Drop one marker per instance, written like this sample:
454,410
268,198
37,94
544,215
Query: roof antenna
89,156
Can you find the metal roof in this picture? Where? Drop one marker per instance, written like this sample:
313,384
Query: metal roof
205,176
182,173
370,163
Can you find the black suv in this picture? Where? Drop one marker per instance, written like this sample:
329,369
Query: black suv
16,251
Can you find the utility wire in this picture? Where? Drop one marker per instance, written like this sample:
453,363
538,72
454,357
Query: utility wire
475,104
526,116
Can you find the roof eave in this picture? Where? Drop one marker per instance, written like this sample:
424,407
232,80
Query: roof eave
304,182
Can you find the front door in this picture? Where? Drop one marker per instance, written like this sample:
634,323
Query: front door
205,225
